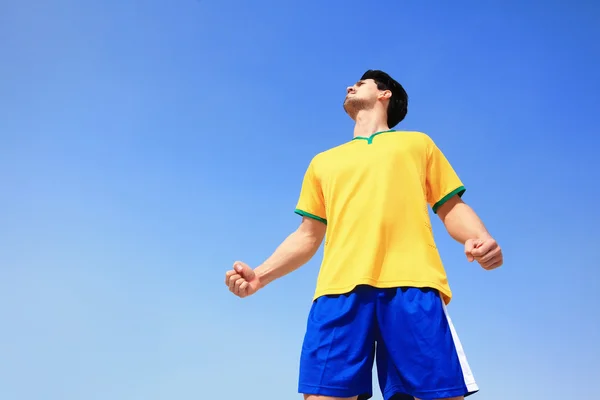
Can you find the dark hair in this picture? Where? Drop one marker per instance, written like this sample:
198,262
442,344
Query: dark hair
398,105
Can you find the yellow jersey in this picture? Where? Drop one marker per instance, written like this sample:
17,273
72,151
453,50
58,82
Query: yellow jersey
373,193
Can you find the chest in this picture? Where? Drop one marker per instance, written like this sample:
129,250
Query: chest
378,162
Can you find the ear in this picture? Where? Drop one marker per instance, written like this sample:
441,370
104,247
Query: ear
385,94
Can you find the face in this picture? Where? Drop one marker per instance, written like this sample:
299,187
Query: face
363,95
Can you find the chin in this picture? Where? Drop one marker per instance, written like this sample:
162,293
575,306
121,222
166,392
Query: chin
350,101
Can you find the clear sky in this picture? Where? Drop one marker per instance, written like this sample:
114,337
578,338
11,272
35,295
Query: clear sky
146,145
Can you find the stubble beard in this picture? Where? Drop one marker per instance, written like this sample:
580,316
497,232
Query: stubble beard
352,106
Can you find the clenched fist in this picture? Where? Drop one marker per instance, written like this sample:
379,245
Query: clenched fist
485,251
241,280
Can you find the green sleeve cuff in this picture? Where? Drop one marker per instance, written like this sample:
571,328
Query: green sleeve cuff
309,215
458,191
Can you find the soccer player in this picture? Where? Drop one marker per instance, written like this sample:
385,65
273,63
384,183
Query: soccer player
382,290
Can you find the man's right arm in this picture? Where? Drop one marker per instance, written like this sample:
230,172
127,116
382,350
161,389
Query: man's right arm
295,251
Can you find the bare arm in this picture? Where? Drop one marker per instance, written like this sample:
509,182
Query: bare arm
295,251
461,222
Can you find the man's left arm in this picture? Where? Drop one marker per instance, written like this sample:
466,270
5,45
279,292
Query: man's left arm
444,195
465,226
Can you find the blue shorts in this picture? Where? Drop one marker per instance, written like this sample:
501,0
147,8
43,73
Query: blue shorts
407,329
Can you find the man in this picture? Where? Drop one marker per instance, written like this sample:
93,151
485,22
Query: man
382,290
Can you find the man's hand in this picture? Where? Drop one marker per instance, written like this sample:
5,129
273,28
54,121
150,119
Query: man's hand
296,250
485,251
242,280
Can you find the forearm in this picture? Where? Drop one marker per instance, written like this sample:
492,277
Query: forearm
295,251
462,223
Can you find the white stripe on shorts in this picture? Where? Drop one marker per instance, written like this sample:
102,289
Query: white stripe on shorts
464,365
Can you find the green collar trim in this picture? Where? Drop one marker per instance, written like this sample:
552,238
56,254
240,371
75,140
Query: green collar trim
369,139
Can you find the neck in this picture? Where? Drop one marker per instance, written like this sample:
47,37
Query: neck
368,123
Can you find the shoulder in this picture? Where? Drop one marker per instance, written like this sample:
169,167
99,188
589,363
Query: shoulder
330,155
416,141
417,136
423,141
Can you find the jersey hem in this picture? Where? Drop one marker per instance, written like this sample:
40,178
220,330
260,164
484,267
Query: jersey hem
458,191
309,215
445,292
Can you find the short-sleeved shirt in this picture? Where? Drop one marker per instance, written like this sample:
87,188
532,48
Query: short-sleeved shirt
373,193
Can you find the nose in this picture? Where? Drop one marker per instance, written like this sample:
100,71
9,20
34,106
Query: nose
349,89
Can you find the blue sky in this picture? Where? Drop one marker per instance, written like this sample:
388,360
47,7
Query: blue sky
146,145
